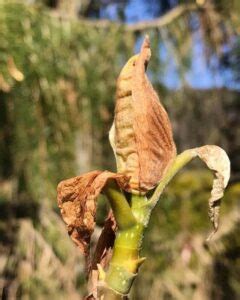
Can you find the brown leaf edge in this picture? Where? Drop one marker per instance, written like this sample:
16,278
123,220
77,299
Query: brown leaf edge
155,144
217,160
141,135
77,202
102,254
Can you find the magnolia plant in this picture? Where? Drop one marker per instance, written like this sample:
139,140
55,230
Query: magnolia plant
146,158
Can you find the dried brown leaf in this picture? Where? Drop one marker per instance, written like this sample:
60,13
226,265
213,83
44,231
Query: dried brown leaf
77,202
217,160
142,140
103,251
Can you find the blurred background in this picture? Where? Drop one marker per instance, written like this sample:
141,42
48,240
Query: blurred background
59,60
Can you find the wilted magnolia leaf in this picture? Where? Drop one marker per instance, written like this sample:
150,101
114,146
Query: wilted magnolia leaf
77,201
217,160
142,136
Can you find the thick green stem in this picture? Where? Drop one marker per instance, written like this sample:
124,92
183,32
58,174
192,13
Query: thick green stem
120,207
126,258
132,220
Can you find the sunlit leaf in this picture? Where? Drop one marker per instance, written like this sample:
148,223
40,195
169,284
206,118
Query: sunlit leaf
77,201
143,140
217,160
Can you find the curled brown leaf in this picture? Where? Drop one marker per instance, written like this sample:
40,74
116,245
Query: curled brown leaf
142,136
103,252
77,202
217,160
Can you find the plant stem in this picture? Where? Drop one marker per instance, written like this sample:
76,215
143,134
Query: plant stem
126,258
120,207
180,161
132,220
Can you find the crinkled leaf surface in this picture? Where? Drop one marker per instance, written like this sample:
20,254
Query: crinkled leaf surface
217,160
77,202
142,136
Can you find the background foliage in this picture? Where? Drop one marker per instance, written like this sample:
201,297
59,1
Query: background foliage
58,66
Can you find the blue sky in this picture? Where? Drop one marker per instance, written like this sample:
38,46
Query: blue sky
200,75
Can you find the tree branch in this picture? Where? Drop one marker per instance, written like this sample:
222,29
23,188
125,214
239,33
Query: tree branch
144,25
162,21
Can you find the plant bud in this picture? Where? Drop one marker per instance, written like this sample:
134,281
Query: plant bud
141,136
